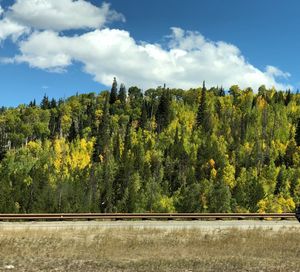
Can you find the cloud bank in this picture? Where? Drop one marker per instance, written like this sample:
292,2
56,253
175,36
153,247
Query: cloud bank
61,15
37,27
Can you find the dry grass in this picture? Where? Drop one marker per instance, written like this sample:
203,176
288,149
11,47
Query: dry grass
149,250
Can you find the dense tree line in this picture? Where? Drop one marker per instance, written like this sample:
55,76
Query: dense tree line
162,150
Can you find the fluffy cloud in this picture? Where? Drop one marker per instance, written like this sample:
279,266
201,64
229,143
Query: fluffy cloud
61,15
26,15
188,60
12,29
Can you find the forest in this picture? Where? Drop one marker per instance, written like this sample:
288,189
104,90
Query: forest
159,150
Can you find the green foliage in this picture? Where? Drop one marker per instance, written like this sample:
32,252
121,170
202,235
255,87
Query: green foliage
297,135
220,196
113,92
162,150
164,114
201,113
122,94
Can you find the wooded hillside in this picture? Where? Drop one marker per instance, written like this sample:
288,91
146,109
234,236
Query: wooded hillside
162,150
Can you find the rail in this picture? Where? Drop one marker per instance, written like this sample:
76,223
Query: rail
146,216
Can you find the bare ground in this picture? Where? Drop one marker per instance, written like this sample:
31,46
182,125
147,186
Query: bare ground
149,249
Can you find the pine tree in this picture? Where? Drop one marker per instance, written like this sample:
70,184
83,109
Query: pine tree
291,149
106,200
73,132
45,104
297,135
103,133
127,140
53,103
144,115
220,197
32,104
122,94
201,113
288,97
280,182
221,91
114,92
122,180
91,118
164,114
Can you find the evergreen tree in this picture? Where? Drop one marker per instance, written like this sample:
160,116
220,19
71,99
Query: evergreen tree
201,113
91,120
73,132
191,196
122,94
32,104
281,184
221,91
288,97
53,104
297,134
164,114
54,123
45,104
106,200
144,115
114,92
290,151
220,196
125,171
103,133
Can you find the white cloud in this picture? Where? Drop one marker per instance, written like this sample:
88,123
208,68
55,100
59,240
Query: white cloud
12,29
106,53
186,40
61,15
27,15
35,26
274,71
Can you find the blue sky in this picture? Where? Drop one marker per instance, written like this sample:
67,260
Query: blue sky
259,45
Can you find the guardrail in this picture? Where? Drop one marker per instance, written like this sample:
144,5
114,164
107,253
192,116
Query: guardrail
146,216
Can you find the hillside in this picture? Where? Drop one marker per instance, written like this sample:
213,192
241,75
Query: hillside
162,150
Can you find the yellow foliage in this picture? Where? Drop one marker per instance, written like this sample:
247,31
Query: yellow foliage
148,156
68,158
261,102
276,204
32,145
59,150
212,163
66,122
293,108
166,204
248,147
98,114
279,146
134,138
213,173
80,156
229,175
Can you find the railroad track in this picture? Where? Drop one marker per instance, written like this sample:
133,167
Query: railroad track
146,216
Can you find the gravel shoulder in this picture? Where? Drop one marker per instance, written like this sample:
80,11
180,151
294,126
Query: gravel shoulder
206,226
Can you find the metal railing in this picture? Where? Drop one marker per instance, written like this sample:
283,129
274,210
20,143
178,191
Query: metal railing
146,216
